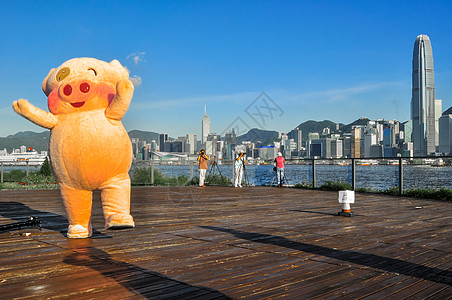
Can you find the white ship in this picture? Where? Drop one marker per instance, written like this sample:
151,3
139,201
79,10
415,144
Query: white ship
32,158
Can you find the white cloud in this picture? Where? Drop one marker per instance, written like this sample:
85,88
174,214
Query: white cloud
343,94
136,58
136,80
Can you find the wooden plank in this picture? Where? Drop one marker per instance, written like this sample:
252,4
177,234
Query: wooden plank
217,242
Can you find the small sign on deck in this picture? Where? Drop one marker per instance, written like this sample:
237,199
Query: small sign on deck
346,197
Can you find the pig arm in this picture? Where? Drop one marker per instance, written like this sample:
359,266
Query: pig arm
118,107
34,114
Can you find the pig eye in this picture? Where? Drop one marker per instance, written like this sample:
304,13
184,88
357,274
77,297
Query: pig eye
94,71
63,73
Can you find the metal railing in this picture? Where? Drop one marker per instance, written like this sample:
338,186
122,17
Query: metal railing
316,170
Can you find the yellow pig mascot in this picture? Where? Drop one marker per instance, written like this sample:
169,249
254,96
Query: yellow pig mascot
89,147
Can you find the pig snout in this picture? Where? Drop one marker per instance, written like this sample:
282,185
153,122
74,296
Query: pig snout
77,92
83,88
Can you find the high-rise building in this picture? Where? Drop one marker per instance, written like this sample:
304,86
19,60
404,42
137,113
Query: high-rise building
438,113
191,144
445,132
163,137
423,98
357,135
205,126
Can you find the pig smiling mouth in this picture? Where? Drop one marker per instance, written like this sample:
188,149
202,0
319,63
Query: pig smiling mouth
78,104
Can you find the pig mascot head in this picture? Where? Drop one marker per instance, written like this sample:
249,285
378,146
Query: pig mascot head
89,147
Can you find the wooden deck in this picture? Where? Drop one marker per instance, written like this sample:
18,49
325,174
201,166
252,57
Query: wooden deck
221,243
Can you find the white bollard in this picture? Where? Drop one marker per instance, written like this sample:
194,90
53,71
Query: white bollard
346,197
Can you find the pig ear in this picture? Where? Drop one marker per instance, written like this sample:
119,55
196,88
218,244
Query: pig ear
44,83
117,65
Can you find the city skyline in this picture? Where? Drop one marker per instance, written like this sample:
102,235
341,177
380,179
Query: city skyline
312,61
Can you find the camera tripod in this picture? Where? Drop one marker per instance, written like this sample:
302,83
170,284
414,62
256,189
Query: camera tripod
247,183
282,180
214,166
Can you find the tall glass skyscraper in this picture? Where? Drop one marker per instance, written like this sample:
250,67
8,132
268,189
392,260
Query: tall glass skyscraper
423,98
205,129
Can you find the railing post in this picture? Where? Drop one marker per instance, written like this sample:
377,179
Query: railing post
1,179
191,171
400,176
353,173
152,168
27,168
313,174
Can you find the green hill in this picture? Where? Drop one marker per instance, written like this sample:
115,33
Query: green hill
39,141
255,135
147,136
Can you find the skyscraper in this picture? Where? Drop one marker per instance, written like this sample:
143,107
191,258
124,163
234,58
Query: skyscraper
423,98
445,132
163,137
205,127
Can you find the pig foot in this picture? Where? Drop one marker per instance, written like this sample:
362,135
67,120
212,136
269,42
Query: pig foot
119,221
78,232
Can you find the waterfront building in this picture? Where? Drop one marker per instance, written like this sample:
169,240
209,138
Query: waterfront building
408,149
209,148
135,146
357,134
296,135
389,140
191,143
445,132
231,138
311,137
336,148
153,146
346,145
205,126
268,152
376,150
145,154
289,148
408,129
163,137
438,114
370,139
423,98
298,139
326,148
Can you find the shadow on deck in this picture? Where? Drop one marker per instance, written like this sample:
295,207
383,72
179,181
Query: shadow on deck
221,242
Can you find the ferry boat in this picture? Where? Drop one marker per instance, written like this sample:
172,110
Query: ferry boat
32,158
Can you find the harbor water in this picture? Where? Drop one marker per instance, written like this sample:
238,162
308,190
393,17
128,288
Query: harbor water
375,177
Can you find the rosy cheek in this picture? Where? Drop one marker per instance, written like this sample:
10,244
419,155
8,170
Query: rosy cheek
110,98
107,91
53,102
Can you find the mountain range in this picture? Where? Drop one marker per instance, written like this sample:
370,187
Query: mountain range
40,141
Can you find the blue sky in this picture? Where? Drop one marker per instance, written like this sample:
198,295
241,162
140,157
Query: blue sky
314,60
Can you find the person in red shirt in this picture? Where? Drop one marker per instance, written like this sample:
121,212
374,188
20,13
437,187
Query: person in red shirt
279,161
202,161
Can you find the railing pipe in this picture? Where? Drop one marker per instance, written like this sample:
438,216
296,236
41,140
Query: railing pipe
152,169
400,176
313,174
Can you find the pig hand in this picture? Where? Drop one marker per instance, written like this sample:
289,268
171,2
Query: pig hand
119,105
34,114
